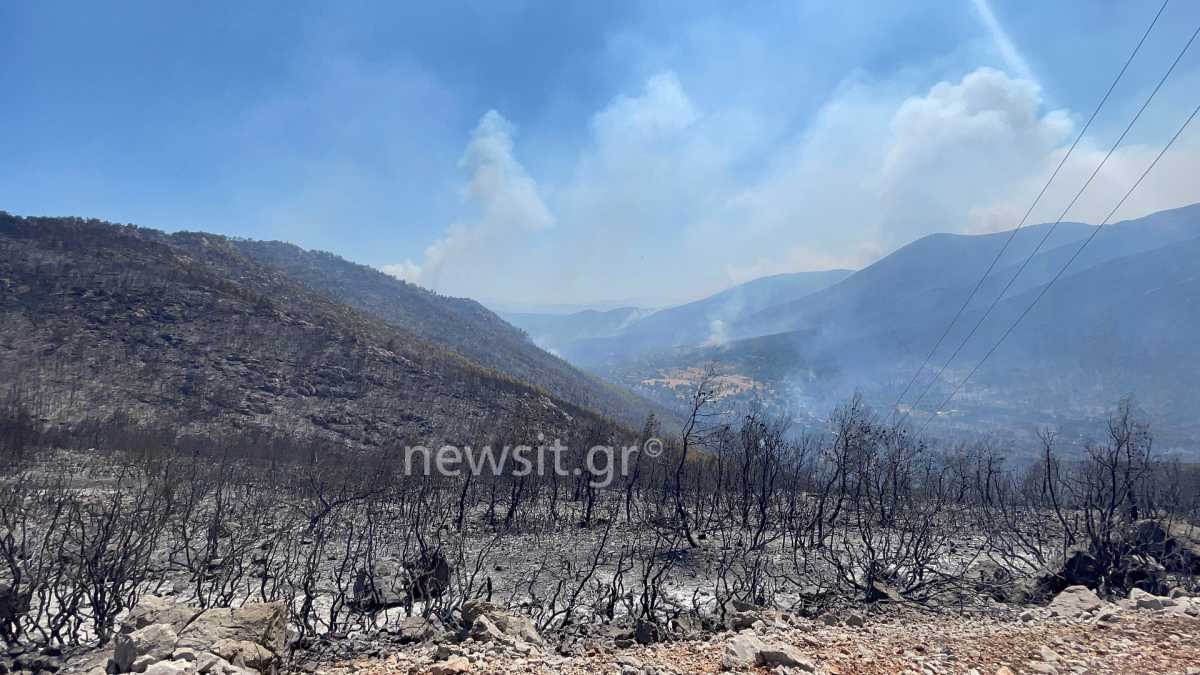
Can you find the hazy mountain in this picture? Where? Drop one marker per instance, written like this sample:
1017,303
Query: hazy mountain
1127,324
927,280
1115,241
1124,325
923,278
554,331
715,315
1123,319
590,338
99,320
503,307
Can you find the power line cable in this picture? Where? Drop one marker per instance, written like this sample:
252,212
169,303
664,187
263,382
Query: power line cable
1063,269
1050,230
1025,218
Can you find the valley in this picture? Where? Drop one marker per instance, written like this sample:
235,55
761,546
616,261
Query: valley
802,348
623,338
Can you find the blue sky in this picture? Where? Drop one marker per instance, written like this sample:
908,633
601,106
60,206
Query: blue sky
580,151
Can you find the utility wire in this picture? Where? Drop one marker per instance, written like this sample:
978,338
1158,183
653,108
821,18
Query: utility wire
1050,230
1025,218
1065,266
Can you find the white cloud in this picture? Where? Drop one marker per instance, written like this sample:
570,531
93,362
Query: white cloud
660,113
651,156
405,271
987,112
653,163
1172,183
508,203
684,199
499,184
877,168
961,145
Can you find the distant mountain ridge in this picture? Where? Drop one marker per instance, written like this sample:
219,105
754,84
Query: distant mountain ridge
1121,320
553,331
589,338
187,329
933,275
732,305
101,318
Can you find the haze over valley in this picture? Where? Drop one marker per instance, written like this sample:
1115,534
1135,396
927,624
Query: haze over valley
1121,321
648,338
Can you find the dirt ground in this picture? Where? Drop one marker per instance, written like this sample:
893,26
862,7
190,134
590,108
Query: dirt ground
1140,642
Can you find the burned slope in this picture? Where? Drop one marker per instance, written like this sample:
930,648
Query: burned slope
98,320
459,324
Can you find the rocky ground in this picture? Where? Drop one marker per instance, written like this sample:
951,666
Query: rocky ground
160,637
1077,633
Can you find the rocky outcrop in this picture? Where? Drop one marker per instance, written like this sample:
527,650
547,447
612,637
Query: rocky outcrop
1140,599
391,584
152,609
1176,546
162,638
262,624
747,650
742,652
1076,602
417,629
487,622
1079,566
133,652
383,585
1145,553
740,616
1177,603
451,666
